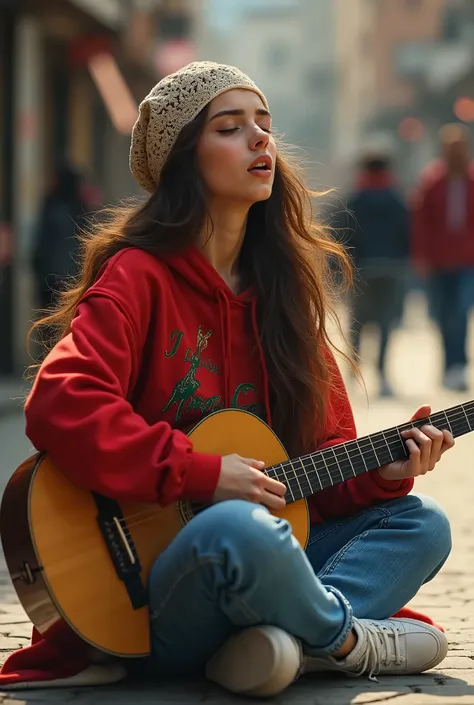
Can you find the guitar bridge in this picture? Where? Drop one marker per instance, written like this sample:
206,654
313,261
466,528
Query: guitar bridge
121,549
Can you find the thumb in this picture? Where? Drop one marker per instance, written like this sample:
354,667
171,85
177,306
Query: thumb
421,413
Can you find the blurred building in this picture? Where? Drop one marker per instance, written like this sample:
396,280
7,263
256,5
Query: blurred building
405,30
355,92
288,48
403,66
71,75
442,71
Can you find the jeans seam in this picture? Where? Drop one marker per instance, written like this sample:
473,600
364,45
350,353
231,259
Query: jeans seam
340,555
199,564
342,552
337,526
249,613
209,560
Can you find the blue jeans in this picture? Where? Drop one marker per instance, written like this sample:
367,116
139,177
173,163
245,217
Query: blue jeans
449,296
235,565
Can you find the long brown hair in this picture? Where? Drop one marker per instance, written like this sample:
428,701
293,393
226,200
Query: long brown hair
286,256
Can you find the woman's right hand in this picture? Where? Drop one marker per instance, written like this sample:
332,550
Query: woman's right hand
242,478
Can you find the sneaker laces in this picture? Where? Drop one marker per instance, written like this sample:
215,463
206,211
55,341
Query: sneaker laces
378,651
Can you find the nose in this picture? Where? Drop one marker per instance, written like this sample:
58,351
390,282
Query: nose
259,138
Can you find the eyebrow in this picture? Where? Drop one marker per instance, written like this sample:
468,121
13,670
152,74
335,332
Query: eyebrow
260,111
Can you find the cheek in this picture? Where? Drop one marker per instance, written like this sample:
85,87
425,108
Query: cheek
218,160
223,155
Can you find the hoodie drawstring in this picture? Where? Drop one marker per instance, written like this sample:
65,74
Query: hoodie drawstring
266,391
224,313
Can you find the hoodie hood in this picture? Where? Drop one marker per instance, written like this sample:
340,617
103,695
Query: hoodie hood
196,270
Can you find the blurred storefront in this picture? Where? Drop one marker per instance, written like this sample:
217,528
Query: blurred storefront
71,75
7,26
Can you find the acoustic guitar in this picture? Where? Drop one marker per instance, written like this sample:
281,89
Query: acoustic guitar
79,561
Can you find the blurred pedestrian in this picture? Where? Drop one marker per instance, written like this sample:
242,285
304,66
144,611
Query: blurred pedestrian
56,245
378,235
443,246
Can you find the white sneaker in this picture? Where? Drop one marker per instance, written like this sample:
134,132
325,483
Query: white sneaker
389,647
264,661
258,661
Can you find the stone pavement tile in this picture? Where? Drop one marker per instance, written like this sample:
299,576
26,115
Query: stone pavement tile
8,618
311,690
15,631
455,661
301,694
447,691
432,699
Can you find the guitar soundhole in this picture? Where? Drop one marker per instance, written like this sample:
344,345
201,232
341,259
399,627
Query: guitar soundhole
188,510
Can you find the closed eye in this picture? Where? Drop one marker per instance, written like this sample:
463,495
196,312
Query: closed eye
230,130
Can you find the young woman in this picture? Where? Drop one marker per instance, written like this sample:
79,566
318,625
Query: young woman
214,294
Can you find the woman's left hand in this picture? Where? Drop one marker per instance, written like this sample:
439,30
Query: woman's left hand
426,446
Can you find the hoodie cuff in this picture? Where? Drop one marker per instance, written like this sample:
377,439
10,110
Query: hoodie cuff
391,485
202,476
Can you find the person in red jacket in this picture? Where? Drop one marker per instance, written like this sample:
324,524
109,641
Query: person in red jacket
206,297
443,246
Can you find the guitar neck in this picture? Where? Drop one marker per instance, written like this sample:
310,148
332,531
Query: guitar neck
308,474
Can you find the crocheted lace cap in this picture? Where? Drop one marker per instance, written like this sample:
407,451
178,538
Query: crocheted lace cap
173,103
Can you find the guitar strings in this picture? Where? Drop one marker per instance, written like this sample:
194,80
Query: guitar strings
147,516
331,466
457,424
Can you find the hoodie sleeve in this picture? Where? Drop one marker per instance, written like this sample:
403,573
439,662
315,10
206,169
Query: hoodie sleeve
359,492
78,409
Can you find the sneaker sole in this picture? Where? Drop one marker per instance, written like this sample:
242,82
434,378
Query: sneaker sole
258,661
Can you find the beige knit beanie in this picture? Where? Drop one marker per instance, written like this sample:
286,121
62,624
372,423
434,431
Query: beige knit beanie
173,103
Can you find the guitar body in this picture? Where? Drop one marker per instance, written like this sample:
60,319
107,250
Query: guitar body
61,565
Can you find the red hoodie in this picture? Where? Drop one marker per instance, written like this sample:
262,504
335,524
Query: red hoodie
155,346
435,242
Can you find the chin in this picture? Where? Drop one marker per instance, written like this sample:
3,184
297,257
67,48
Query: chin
261,194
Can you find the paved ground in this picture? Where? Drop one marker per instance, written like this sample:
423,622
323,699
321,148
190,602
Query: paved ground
450,599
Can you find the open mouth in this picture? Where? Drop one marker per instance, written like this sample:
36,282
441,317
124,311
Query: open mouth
262,164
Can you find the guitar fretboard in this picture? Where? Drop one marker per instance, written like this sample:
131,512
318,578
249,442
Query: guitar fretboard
314,472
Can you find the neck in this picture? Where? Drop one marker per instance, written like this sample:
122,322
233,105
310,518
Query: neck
221,241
